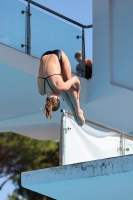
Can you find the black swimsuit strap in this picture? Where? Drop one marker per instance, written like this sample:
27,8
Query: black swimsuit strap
49,76
53,75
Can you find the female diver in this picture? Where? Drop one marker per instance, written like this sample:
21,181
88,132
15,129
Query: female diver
54,79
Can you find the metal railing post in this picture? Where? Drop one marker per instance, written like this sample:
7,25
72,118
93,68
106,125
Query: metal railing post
27,29
121,145
83,54
61,149
28,37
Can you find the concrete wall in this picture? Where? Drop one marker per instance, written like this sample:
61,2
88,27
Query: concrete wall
121,43
110,95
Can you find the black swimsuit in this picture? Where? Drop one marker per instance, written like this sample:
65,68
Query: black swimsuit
59,55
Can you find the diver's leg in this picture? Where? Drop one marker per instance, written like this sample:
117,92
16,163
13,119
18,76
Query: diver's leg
66,68
75,101
66,74
68,101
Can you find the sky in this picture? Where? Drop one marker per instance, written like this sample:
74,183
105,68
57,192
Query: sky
80,11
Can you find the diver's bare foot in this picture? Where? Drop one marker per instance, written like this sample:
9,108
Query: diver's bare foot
81,118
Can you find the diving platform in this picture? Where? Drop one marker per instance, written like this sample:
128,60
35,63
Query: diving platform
101,179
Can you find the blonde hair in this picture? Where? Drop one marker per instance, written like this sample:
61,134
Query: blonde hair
52,104
78,54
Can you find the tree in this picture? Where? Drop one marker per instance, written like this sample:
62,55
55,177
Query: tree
18,154
14,197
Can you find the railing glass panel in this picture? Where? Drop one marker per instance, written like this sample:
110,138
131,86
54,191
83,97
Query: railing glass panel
12,24
49,33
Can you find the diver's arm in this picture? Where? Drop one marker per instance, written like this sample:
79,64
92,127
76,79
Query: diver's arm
65,86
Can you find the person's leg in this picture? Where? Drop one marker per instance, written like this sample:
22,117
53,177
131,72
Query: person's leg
66,73
75,101
68,101
66,68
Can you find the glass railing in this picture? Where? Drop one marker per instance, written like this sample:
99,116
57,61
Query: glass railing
48,33
44,32
12,24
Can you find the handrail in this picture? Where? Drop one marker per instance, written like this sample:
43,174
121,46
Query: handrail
83,72
105,127
59,15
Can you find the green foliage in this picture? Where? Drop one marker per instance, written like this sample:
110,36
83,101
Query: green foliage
19,154
14,197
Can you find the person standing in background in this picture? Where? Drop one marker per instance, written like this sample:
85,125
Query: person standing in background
88,65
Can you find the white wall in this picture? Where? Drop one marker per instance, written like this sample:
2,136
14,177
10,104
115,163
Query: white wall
121,29
109,104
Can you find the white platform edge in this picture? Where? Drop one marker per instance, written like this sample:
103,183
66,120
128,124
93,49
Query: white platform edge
78,171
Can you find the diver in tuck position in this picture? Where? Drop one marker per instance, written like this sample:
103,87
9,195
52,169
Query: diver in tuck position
54,79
